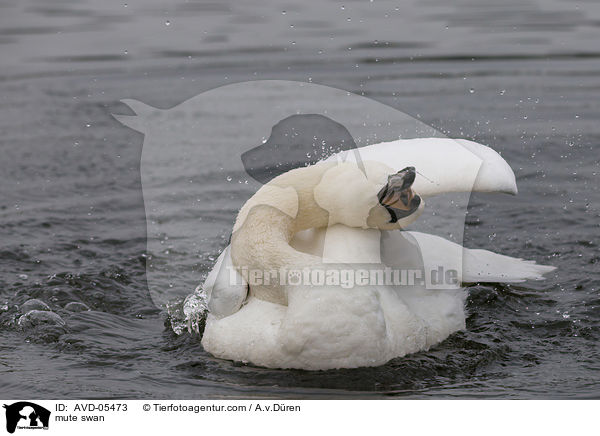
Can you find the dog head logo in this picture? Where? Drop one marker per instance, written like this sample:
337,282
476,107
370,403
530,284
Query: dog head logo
26,415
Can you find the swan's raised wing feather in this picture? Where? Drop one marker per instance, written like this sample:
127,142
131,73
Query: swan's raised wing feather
495,175
443,165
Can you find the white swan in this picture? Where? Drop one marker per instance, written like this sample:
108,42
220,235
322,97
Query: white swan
331,217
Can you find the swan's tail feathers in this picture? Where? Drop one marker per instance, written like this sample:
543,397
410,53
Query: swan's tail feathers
486,266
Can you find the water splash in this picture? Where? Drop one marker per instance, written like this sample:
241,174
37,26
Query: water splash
189,313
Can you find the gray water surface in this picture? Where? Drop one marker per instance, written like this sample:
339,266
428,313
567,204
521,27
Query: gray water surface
523,77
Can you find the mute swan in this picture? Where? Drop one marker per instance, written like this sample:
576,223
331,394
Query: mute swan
343,214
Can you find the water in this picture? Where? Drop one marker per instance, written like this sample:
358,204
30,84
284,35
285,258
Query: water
523,77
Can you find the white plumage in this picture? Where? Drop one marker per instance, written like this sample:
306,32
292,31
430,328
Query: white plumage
324,327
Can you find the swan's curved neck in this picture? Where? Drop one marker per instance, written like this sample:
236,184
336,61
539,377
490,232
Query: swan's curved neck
317,196
268,221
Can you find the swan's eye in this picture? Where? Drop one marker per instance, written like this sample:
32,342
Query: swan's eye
397,196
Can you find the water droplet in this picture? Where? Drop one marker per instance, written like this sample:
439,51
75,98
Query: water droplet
502,91
283,12
167,23
124,5
229,178
471,90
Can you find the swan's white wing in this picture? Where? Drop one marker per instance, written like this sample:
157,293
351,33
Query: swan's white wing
495,175
443,165
477,265
471,265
